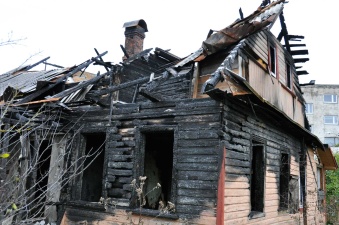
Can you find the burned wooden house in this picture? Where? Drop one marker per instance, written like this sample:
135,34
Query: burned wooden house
218,137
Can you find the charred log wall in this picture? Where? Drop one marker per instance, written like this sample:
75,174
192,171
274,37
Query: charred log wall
196,124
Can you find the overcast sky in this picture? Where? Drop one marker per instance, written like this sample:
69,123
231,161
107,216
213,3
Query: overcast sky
68,31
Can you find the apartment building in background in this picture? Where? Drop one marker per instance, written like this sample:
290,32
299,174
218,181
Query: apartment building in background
322,111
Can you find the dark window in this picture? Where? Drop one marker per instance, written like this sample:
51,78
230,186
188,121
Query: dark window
284,182
288,75
93,168
257,178
158,165
40,186
272,61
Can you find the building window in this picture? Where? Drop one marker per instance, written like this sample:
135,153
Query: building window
330,119
284,182
257,180
156,159
92,178
309,108
273,64
331,141
330,98
288,76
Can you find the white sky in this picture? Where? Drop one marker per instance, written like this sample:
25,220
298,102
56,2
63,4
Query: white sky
68,31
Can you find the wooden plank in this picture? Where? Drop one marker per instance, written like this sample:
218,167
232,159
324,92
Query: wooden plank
197,184
197,175
197,201
237,207
236,185
237,192
196,193
237,178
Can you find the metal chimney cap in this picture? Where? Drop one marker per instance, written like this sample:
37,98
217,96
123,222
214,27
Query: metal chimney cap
135,23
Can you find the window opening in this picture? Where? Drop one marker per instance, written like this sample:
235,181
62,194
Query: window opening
158,165
284,181
93,167
288,76
42,169
272,61
257,178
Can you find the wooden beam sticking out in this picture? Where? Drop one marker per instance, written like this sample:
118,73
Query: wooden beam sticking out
51,64
241,14
295,37
299,52
37,63
297,45
302,72
301,60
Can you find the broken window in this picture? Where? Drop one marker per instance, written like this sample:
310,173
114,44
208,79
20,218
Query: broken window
158,166
284,182
92,178
273,63
257,178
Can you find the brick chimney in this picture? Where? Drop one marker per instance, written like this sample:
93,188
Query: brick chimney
134,37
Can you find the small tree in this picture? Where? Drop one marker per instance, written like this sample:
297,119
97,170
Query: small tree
332,193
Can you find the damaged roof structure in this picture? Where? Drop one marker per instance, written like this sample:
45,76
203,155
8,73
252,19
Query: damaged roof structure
217,137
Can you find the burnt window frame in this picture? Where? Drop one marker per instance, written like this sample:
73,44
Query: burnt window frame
289,77
256,141
139,166
80,149
286,205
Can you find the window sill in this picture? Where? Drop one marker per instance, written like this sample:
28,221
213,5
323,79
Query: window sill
86,205
256,215
155,213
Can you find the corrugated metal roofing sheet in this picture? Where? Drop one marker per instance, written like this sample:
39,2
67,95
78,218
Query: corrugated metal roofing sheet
26,81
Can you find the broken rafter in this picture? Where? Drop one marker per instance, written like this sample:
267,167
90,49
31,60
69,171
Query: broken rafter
58,81
299,52
124,51
295,37
297,45
50,64
284,31
301,60
101,60
37,63
302,72
80,86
